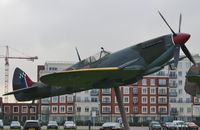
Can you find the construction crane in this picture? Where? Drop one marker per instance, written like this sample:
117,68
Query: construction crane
7,57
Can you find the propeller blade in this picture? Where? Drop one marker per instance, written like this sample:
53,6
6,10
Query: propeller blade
167,23
176,55
187,53
180,21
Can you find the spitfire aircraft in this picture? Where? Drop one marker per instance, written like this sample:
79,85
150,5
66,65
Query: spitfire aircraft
107,70
192,83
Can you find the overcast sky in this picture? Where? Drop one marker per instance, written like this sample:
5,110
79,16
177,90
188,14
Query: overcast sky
51,29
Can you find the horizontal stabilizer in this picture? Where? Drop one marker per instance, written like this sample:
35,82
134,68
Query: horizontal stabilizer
23,90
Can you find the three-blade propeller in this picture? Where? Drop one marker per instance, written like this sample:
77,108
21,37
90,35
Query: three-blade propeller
179,40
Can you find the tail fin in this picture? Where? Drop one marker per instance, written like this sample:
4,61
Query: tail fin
21,85
21,80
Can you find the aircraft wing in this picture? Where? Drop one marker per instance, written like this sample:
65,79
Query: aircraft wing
86,78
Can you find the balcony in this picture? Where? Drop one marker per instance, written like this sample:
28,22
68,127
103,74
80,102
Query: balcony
173,94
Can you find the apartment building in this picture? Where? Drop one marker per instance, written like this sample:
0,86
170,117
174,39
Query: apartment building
145,100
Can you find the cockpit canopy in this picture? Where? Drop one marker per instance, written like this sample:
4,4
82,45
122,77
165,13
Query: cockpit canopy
88,61
96,57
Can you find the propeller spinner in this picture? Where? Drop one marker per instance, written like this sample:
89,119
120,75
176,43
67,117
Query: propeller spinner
179,40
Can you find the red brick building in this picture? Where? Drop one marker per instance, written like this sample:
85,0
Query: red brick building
148,97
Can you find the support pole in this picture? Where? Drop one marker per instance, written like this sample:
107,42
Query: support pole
121,108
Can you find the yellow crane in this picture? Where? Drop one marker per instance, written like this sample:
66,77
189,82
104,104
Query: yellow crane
7,57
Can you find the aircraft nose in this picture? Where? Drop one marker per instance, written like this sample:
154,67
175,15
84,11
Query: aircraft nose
181,38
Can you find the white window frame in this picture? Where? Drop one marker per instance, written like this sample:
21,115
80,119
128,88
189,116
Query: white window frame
151,109
153,97
54,99
126,97
62,99
52,109
26,109
154,90
60,108
68,109
126,90
144,97
106,107
144,92
14,108
144,107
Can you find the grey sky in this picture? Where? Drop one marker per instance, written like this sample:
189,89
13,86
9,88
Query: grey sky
51,29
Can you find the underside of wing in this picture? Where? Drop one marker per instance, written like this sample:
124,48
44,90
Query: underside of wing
87,78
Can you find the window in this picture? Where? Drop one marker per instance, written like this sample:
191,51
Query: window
54,109
152,82
94,99
126,108
162,82
162,100
6,109
106,91
162,109
62,109
180,73
87,99
144,90
144,81
152,109
180,82
15,118
106,109
78,99
162,91
33,109
126,90
126,99
180,91
144,109
135,100
62,99
78,109
181,109
189,110
24,109
152,99
106,99
152,90
135,90
87,109
135,109
69,109
69,99
55,99
144,99
15,109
